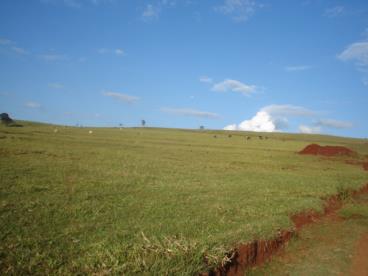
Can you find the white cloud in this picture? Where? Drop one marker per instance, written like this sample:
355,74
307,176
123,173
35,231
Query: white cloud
238,10
19,50
53,57
205,79
357,52
151,12
56,85
4,41
33,105
334,123
309,129
121,97
334,11
191,112
296,68
261,122
102,51
119,52
76,3
272,118
288,110
235,86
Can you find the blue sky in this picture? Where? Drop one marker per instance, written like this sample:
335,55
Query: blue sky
294,66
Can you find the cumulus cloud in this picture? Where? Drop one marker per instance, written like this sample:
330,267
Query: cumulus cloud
334,123
33,105
238,10
205,79
334,11
296,68
235,86
271,118
309,129
357,52
261,122
121,97
191,113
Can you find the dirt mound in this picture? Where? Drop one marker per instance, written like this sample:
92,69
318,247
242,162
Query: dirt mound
315,149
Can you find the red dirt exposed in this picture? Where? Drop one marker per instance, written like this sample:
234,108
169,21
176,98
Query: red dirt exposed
315,149
259,251
360,264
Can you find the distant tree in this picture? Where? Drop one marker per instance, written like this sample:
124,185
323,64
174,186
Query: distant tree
143,123
120,125
5,118
201,127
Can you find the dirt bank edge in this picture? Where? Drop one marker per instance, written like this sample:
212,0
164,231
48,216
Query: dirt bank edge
259,251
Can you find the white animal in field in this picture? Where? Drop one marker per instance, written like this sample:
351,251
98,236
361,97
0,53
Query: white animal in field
56,130
90,132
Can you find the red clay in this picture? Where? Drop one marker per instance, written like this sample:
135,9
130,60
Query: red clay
259,251
315,149
360,264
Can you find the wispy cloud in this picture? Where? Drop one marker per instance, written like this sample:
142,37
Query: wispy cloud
151,12
76,3
357,52
331,123
117,51
205,79
4,41
334,11
238,10
19,50
33,105
11,45
296,68
55,85
191,113
121,97
309,129
289,110
234,86
53,57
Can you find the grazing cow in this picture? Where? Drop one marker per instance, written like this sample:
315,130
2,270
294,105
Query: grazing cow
230,136
247,137
214,136
260,137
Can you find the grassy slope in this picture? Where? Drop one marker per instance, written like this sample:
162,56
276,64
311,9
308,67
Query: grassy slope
151,200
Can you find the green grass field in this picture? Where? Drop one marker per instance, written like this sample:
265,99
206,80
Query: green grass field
153,201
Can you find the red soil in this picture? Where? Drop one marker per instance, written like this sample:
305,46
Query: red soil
360,264
259,251
315,149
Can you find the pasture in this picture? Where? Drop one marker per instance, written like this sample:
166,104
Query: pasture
153,201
